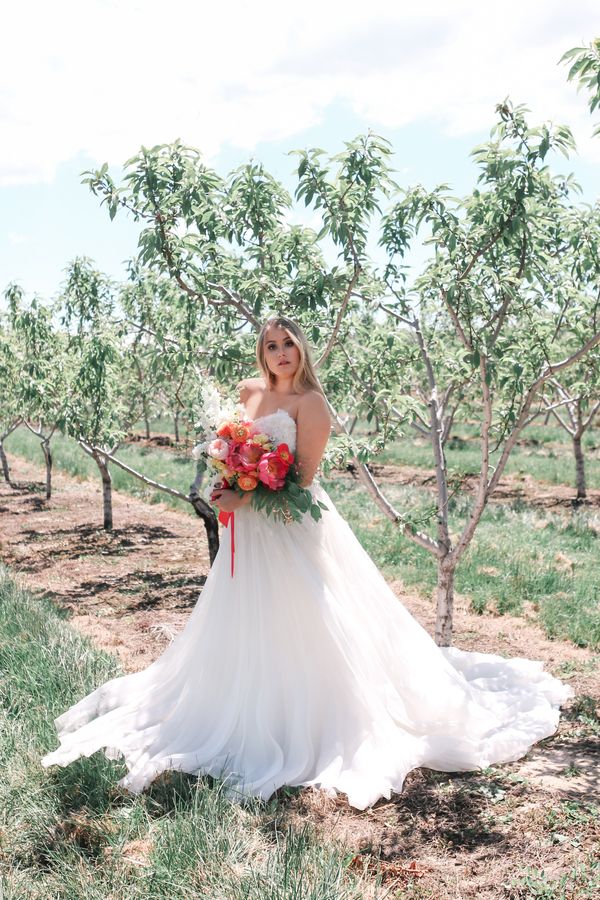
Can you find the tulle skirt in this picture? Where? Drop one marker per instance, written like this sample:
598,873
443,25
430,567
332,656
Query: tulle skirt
305,669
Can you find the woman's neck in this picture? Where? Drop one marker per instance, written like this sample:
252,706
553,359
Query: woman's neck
282,386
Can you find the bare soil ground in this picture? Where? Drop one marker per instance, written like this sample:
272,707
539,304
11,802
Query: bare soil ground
130,589
524,487
466,835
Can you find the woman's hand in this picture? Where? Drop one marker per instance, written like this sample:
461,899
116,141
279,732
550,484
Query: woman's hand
229,500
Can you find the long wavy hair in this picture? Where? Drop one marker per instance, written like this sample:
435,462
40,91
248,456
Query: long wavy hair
305,378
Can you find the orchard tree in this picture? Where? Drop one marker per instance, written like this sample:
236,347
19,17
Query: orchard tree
94,409
478,323
10,414
41,387
575,404
503,279
110,329
228,246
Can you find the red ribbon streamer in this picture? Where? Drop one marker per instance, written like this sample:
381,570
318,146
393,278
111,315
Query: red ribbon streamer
224,519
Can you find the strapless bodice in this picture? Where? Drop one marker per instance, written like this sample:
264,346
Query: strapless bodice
280,426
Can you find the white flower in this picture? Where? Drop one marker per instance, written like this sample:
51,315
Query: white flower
198,451
214,408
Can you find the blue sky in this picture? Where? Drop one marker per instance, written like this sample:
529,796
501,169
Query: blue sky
81,84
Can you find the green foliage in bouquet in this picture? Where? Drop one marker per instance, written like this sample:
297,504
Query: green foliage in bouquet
290,503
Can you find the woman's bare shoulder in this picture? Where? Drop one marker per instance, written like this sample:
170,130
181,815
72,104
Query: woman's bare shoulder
249,386
313,404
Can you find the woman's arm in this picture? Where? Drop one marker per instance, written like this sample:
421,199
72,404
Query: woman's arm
314,427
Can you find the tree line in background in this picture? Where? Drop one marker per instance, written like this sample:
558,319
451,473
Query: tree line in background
499,328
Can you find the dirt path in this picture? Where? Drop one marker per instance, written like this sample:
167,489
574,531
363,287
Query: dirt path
132,589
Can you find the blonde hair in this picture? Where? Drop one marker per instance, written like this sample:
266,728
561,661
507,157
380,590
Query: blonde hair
305,377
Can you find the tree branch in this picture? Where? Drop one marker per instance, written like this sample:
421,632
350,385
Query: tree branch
340,316
382,502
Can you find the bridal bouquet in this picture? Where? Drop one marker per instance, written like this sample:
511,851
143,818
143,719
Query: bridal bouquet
237,455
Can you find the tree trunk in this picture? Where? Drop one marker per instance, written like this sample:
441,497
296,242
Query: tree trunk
176,426
210,524
202,509
106,492
3,457
147,426
579,468
445,604
4,460
48,458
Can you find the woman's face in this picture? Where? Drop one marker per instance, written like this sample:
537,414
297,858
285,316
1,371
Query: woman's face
281,353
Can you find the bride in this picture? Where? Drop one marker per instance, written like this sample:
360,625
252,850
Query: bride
304,668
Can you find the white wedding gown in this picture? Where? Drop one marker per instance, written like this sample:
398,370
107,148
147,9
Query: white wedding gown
305,669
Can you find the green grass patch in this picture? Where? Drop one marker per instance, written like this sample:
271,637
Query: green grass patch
69,833
518,556
582,882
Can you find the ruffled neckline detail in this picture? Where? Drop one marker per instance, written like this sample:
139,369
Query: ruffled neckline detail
280,426
273,414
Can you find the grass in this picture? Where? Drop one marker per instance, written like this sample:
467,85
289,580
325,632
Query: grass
520,558
545,453
70,833
581,882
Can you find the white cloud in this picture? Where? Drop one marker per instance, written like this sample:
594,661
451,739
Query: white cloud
15,238
102,77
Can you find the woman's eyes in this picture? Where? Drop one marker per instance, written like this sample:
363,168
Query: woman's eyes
274,346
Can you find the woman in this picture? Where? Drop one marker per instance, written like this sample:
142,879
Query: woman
304,668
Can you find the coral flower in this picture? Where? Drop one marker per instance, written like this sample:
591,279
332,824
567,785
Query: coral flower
224,430
218,449
272,471
284,453
239,432
248,481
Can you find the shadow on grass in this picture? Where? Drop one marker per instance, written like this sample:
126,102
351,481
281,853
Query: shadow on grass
433,807
156,588
88,797
454,809
80,540
29,487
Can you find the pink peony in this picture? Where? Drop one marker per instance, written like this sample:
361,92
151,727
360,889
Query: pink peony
272,471
233,460
218,449
250,454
